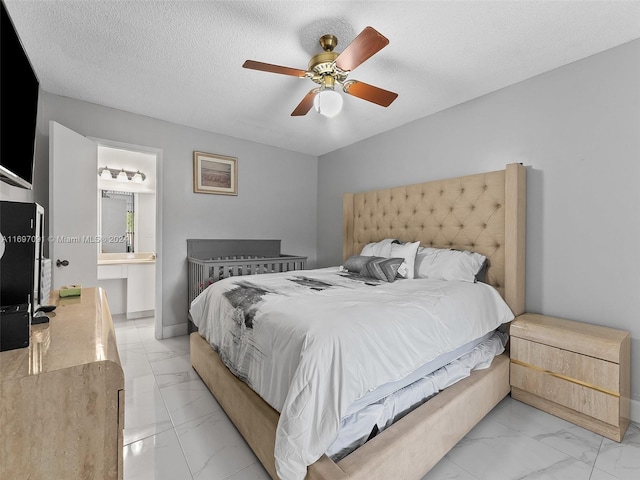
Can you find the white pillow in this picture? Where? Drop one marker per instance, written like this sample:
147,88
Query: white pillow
378,249
408,252
448,264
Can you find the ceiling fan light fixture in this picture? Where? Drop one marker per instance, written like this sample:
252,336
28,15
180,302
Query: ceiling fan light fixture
328,102
330,68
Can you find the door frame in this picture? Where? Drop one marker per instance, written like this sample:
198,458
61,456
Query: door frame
158,153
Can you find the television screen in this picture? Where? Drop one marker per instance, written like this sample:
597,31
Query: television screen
19,89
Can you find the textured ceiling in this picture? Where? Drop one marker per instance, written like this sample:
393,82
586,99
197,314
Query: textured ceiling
181,61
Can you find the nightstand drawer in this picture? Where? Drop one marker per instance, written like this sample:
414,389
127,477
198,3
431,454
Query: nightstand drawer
582,369
582,399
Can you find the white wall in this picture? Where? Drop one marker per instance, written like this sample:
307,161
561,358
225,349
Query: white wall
577,129
276,188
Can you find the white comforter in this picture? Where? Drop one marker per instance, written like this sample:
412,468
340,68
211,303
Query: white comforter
312,342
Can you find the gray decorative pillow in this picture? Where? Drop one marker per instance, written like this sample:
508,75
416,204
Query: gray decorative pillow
355,263
381,268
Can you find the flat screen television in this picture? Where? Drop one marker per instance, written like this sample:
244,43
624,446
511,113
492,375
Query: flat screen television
19,89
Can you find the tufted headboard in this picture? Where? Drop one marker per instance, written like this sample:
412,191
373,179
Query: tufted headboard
483,212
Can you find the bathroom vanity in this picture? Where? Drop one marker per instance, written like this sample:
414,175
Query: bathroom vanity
138,272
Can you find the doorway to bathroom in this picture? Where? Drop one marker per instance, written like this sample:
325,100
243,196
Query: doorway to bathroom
129,229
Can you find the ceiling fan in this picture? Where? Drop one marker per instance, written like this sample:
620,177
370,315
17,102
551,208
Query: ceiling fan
330,68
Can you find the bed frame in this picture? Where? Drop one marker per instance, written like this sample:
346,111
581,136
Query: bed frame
483,213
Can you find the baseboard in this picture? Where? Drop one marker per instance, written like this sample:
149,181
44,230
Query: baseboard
175,330
143,314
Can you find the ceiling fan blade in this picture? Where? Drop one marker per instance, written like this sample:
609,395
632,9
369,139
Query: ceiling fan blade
305,105
369,92
367,43
267,67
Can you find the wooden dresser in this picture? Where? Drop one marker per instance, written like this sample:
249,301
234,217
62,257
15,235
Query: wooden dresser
62,398
577,371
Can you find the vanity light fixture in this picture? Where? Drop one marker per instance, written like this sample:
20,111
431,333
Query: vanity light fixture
121,175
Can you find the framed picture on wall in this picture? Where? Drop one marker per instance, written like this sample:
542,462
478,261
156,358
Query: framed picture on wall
216,174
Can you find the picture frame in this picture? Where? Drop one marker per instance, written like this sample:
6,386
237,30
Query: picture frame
215,174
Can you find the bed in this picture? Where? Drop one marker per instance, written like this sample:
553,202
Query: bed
482,213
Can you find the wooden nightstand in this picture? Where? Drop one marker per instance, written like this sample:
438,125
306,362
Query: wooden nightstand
573,370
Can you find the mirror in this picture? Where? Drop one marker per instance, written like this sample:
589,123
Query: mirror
117,222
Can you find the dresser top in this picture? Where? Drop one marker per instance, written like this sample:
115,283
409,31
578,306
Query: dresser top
80,331
584,338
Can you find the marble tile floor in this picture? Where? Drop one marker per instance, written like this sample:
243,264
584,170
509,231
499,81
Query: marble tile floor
175,430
